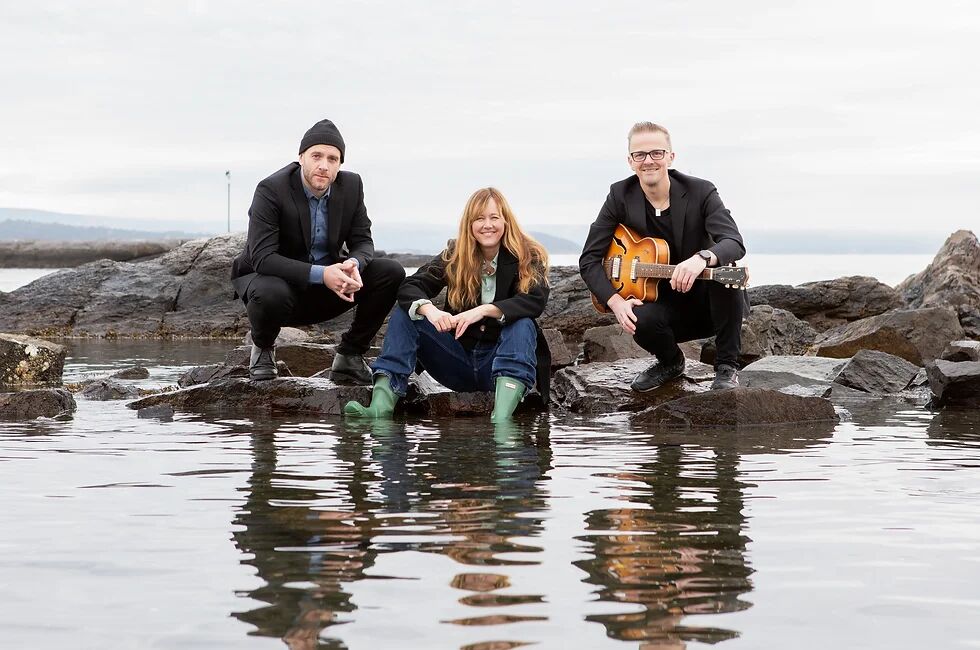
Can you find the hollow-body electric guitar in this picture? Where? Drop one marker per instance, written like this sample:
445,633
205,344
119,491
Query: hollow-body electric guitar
635,265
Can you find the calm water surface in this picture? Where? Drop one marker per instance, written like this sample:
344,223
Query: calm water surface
565,532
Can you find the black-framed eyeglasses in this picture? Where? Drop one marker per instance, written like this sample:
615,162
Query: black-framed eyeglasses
640,156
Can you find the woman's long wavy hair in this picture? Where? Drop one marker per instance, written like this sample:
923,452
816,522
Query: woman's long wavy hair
464,261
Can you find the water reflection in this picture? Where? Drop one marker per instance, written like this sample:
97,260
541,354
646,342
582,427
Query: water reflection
387,489
677,545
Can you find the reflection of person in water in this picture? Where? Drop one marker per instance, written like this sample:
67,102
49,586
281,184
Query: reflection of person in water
484,490
679,549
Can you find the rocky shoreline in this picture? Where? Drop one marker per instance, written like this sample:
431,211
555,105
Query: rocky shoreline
819,343
42,254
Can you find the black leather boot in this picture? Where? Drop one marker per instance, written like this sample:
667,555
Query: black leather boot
262,363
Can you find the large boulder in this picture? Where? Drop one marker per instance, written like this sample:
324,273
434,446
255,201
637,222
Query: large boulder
873,371
952,279
767,331
610,343
302,359
916,335
740,407
569,308
605,387
40,403
185,292
806,376
25,360
829,303
955,383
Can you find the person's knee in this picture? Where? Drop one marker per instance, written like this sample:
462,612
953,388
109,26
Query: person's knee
651,320
383,271
269,294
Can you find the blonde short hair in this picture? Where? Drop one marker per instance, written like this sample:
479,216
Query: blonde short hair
648,127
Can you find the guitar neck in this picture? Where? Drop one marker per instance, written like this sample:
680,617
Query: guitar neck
662,271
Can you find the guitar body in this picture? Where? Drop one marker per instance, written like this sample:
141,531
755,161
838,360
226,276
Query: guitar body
626,249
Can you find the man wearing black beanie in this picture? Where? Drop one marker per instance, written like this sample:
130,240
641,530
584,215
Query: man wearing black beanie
308,258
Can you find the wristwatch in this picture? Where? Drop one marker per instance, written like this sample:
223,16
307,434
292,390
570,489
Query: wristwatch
706,256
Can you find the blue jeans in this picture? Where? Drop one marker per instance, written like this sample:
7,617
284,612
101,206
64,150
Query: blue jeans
449,363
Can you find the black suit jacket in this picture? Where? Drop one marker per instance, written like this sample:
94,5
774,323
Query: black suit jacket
279,235
698,217
430,279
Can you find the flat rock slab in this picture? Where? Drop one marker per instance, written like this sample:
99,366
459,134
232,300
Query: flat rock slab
41,403
962,351
134,372
428,397
741,407
283,395
25,360
955,383
873,371
916,335
605,387
789,374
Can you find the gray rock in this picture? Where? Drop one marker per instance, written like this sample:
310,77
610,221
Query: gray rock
955,383
952,279
829,303
873,371
610,343
25,361
428,397
740,407
804,376
286,335
768,331
560,354
962,351
160,412
135,372
569,308
40,403
102,390
605,387
303,359
916,335
289,395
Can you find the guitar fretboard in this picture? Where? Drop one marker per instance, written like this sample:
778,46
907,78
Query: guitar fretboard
660,271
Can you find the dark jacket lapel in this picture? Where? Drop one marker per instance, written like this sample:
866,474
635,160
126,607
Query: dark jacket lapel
506,272
636,208
302,205
678,214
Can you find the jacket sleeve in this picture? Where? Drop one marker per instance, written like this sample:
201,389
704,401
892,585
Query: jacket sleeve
360,244
596,247
427,282
718,223
263,239
525,305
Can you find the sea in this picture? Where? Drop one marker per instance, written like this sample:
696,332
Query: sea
559,530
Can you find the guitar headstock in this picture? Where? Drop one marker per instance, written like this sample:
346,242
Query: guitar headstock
733,277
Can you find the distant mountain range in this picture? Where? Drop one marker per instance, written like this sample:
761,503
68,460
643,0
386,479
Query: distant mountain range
22,224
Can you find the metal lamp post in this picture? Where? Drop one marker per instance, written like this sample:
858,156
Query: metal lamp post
228,176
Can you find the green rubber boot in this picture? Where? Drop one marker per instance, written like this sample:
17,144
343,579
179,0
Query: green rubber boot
506,398
383,401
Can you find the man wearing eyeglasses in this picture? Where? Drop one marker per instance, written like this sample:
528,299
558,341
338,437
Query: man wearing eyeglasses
309,258
688,214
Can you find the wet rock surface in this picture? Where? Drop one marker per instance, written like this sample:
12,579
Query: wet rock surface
31,404
741,407
108,389
829,303
952,279
605,387
916,335
136,372
25,360
955,383
768,331
302,359
807,376
873,371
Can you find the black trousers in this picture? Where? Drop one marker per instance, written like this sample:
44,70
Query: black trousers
707,309
272,303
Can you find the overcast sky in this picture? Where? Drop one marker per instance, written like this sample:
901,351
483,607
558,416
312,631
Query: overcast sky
834,114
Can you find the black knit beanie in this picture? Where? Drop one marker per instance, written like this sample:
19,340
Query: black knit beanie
323,132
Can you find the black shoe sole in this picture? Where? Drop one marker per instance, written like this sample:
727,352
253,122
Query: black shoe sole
647,390
261,377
